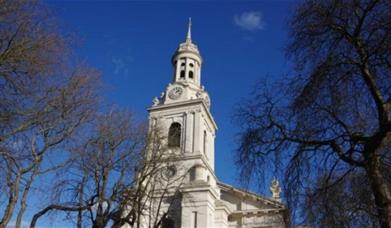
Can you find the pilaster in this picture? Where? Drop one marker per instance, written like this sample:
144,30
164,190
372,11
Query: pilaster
189,131
197,130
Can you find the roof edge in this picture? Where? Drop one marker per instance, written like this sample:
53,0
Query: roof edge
236,190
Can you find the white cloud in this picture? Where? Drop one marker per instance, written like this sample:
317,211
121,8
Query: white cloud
251,20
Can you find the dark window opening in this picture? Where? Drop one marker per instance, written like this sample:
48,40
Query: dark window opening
205,142
193,174
174,135
195,219
191,64
183,64
191,74
182,74
168,223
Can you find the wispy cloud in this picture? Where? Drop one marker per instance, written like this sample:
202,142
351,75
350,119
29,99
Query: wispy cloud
121,64
251,21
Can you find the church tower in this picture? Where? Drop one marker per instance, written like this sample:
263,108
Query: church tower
196,199
183,114
184,108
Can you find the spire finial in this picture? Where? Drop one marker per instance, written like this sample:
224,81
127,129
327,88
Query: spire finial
188,37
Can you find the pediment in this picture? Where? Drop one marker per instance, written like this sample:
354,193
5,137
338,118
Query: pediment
252,210
241,200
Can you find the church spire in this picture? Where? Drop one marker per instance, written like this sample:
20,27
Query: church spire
188,37
187,61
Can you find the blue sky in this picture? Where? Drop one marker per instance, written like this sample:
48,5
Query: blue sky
132,42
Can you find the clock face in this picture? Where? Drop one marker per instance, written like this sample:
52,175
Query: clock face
169,172
175,93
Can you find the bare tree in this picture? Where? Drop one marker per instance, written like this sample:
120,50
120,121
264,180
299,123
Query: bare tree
347,204
118,175
44,100
330,122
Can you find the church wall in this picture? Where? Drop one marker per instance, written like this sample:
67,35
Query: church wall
193,120
233,202
251,204
237,202
201,203
237,223
221,218
194,123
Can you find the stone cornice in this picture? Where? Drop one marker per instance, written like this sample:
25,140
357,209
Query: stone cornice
184,104
256,212
220,205
199,187
189,156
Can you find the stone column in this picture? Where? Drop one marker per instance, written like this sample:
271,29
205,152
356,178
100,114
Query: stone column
187,69
177,69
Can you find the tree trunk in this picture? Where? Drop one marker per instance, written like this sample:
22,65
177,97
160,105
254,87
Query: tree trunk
23,205
23,201
99,222
13,199
380,191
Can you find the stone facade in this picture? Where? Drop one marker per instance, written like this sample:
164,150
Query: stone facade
183,112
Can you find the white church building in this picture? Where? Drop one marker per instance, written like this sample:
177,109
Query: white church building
183,112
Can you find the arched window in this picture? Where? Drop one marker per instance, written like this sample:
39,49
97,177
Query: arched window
191,74
182,74
174,135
